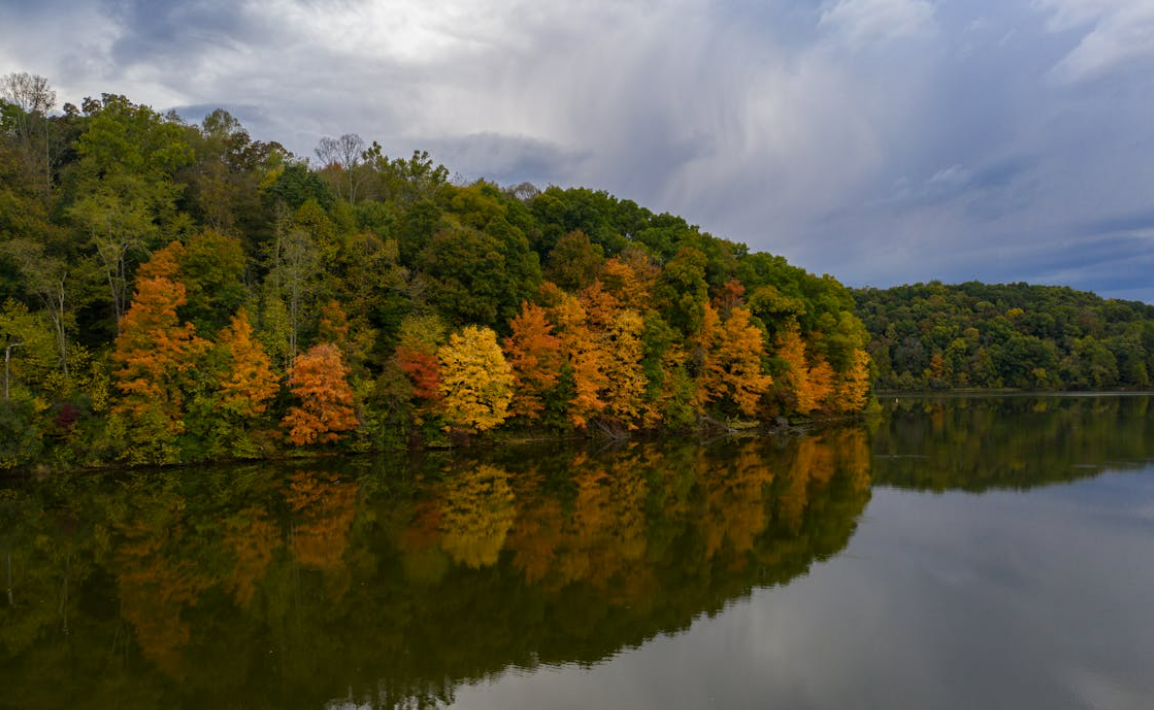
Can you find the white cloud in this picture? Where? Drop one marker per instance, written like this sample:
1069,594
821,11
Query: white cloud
66,45
1119,31
865,22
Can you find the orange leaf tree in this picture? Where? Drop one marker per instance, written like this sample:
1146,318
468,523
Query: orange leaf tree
354,340
250,382
534,353
821,381
587,361
320,379
155,353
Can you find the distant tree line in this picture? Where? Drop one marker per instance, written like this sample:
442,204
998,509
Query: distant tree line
173,292
974,335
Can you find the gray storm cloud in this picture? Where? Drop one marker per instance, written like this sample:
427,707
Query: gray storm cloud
882,141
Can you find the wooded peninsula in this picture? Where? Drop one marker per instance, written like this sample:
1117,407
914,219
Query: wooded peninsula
174,293
974,335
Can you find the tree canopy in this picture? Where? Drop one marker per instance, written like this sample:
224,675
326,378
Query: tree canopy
180,292
974,335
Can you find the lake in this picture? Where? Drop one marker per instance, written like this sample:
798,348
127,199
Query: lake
953,552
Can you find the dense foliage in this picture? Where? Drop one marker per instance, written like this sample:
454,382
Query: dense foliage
934,336
173,292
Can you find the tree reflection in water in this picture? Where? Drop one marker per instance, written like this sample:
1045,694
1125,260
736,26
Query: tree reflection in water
389,583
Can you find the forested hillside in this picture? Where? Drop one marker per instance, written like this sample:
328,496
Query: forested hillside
933,336
173,292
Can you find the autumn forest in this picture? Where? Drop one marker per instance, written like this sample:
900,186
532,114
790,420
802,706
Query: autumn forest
176,293
172,293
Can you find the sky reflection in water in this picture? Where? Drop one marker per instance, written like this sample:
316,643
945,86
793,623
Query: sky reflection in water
1004,600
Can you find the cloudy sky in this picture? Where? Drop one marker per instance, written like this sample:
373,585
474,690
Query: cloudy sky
882,141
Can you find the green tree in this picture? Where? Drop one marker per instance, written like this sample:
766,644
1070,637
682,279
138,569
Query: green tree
29,98
682,291
575,262
469,277
28,350
47,277
125,197
212,268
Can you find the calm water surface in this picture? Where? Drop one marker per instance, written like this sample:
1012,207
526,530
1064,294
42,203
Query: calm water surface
993,552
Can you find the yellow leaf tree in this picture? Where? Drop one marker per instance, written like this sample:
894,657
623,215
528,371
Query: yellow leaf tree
810,381
478,514
622,281
610,354
851,388
476,380
795,379
625,394
739,357
731,360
